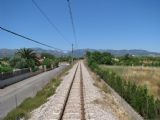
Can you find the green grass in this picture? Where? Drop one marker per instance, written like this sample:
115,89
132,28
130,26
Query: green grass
24,109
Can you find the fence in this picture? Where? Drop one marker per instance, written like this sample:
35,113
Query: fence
4,76
17,76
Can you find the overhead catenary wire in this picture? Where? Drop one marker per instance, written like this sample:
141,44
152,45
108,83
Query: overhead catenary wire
27,38
72,23
50,22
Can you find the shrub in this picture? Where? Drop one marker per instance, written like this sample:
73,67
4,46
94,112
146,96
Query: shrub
21,64
5,68
48,62
34,69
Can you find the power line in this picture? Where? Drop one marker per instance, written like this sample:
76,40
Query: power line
27,38
72,22
50,22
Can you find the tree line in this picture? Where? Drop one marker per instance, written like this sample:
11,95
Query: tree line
28,58
127,60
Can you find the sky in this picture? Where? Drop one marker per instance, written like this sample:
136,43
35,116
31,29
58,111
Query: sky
99,24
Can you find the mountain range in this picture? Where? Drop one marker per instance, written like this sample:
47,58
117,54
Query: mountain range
81,52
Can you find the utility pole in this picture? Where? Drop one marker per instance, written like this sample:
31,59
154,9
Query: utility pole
72,54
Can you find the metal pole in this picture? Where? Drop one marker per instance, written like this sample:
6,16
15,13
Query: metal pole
72,54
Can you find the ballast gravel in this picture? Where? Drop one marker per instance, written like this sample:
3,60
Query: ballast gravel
93,109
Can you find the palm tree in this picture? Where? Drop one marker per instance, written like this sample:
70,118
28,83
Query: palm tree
29,55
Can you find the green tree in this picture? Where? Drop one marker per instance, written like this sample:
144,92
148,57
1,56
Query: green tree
47,62
5,68
106,59
29,55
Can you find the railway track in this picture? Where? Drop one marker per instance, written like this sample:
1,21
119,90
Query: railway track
73,107
75,99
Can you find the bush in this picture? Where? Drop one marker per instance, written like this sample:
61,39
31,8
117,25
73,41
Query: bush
34,69
48,62
21,64
5,68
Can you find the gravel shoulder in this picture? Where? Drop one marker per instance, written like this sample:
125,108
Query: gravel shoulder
52,108
99,104
107,101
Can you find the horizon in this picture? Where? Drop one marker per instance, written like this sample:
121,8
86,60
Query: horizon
80,49
102,24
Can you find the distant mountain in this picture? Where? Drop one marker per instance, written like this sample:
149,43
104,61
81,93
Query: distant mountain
135,52
7,52
53,52
81,52
11,52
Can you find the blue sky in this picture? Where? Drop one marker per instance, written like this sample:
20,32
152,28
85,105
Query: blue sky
100,24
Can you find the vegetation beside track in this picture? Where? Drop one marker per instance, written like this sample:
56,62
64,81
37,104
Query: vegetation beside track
148,76
137,96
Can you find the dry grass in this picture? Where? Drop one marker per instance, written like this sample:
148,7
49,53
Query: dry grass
149,76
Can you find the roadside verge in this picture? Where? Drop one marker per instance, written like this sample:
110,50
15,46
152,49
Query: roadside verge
13,98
